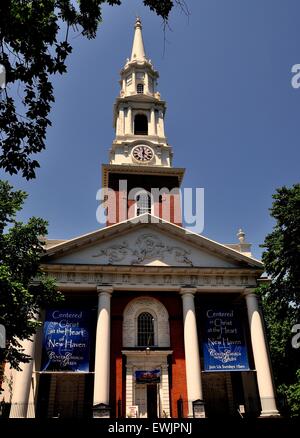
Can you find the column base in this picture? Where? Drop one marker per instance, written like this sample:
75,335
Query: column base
101,411
268,407
268,414
18,410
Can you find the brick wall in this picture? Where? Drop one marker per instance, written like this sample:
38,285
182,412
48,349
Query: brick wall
173,304
171,211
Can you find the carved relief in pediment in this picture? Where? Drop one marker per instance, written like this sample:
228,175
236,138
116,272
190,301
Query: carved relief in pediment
147,247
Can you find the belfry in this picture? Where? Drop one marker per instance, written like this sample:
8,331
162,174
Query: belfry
157,321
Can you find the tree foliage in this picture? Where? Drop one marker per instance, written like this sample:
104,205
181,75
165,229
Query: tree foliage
282,255
34,44
280,298
24,289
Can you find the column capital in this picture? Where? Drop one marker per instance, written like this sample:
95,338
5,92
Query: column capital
188,291
104,290
249,291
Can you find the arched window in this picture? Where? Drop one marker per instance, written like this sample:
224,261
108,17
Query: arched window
143,203
160,322
140,88
145,330
141,124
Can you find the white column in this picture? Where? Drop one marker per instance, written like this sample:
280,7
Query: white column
120,122
102,353
129,121
164,392
146,84
161,131
129,387
191,349
134,82
122,115
261,358
152,122
22,383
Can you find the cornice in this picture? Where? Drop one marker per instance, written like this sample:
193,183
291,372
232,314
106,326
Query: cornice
134,98
87,277
135,169
153,270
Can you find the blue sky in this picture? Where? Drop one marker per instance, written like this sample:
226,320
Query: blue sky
232,117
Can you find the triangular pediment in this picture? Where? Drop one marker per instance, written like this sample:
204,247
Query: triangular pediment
147,244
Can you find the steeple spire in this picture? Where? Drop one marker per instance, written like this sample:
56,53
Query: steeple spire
138,51
140,153
139,112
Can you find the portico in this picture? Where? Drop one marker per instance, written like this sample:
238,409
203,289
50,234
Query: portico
161,281
165,282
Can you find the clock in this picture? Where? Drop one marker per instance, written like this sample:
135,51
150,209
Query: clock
142,153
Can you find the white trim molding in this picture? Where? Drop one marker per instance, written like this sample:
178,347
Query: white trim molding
161,321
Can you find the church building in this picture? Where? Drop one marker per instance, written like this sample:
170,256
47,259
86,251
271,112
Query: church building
157,321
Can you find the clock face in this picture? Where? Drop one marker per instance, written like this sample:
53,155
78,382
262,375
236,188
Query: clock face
142,153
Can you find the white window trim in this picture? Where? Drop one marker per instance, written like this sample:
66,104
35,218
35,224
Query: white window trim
161,321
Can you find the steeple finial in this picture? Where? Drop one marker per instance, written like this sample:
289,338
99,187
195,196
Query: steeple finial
241,235
138,51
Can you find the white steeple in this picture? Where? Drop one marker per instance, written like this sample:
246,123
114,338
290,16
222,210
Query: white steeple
139,111
138,51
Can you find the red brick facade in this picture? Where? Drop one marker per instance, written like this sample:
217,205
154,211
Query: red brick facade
169,209
178,389
121,206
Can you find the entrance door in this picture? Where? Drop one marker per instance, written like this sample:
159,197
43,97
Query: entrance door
141,399
152,401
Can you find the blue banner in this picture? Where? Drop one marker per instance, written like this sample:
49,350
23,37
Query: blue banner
224,344
66,343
